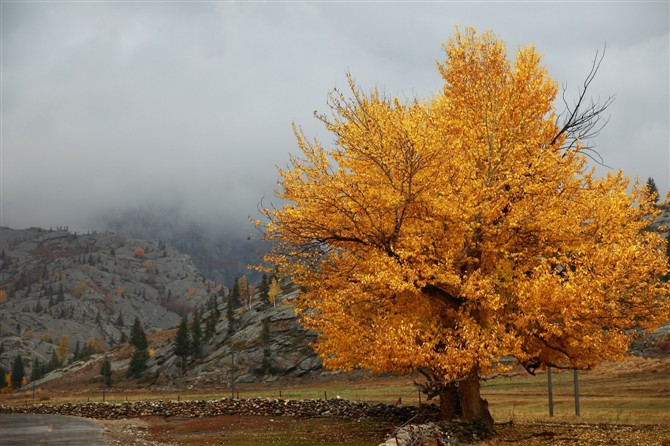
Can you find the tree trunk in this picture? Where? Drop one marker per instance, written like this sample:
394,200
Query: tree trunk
449,404
475,408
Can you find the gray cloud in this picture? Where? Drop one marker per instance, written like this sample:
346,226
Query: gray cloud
115,105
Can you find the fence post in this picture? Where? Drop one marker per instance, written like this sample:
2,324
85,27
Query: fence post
551,392
576,384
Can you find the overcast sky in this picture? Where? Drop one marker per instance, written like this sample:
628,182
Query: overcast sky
110,105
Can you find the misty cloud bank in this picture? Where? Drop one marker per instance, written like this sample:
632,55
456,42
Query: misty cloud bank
111,107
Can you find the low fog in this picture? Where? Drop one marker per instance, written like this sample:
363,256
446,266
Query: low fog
112,107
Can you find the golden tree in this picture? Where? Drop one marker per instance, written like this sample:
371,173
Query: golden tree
274,291
441,235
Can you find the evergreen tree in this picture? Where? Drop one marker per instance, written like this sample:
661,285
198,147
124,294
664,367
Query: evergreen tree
138,363
265,341
3,374
37,371
124,338
18,372
77,351
196,335
210,324
138,338
263,289
54,363
181,345
106,372
230,314
235,294
652,189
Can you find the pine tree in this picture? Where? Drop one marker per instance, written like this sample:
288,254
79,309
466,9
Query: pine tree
77,351
138,363
138,338
263,289
265,341
235,294
652,189
18,372
2,376
181,345
54,363
106,372
196,335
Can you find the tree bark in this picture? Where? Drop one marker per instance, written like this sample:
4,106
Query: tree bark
449,403
475,408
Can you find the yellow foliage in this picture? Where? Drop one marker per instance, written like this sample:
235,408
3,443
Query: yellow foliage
445,233
152,352
274,292
63,348
3,296
28,334
46,337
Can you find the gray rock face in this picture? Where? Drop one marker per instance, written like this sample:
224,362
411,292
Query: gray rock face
87,288
265,343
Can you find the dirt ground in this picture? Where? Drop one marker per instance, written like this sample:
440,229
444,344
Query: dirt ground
242,431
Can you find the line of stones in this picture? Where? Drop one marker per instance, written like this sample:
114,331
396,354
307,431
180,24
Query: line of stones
334,407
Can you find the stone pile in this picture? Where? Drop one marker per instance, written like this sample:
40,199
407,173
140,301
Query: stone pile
439,433
334,407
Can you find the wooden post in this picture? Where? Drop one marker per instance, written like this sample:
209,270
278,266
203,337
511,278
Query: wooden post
232,376
576,383
551,392
419,397
325,395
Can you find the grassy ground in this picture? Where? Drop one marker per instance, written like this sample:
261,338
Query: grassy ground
624,403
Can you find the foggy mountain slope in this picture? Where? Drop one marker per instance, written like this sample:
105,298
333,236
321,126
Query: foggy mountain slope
220,252
89,289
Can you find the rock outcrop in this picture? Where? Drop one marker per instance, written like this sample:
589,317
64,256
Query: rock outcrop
88,289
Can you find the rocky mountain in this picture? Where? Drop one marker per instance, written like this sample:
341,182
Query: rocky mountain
61,291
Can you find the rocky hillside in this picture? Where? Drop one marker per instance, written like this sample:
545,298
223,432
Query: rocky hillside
77,290
265,343
221,254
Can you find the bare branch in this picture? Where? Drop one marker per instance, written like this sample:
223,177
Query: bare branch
583,120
